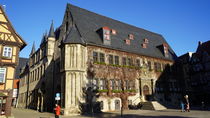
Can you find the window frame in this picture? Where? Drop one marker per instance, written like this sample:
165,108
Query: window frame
95,56
6,55
4,70
138,63
111,59
124,61
102,57
116,60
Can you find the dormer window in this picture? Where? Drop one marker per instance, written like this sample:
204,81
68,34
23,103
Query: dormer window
130,36
106,37
146,40
144,45
165,49
106,34
127,41
114,32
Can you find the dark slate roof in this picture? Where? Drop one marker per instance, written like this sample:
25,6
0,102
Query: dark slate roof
203,47
51,32
88,23
74,36
22,63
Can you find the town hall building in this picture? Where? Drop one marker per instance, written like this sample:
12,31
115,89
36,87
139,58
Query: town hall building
90,56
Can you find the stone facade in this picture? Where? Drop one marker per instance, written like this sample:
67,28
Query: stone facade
87,68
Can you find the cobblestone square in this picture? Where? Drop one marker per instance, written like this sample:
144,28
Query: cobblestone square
169,113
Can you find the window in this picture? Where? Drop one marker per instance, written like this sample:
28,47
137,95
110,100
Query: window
102,84
112,84
2,75
111,59
157,66
7,52
127,87
118,84
114,32
130,62
146,41
102,59
144,45
131,36
137,62
127,41
116,59
95,57
132,86
124,61
165,48
106,34
149,65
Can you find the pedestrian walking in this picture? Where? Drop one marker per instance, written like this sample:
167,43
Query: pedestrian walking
57,110
187,103
182,106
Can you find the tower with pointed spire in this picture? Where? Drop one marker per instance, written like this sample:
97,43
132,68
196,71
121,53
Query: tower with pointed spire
32,56
50,43
33,49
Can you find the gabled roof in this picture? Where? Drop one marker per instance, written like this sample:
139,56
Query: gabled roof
17,37
88,23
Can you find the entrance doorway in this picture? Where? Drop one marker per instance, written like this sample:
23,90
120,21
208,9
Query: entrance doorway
117,104
146,92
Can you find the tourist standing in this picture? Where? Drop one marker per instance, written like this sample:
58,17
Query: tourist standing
57,110
187,103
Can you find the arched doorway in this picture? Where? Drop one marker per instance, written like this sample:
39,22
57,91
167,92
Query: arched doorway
117,104
146,92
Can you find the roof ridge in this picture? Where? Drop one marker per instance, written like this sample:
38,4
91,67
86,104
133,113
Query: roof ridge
68,4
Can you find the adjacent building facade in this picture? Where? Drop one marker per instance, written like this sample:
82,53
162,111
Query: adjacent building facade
10,45
88,52
196,69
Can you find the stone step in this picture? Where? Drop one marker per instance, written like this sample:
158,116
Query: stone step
158,106
154,105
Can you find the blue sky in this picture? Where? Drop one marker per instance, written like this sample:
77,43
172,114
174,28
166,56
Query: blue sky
182,22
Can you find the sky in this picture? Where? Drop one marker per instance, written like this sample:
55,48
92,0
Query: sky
181,22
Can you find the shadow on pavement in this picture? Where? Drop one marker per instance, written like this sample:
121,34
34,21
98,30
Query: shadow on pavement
113,115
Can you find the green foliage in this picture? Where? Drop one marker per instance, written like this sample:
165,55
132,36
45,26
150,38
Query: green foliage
103,90
116,91
102,63
131,90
